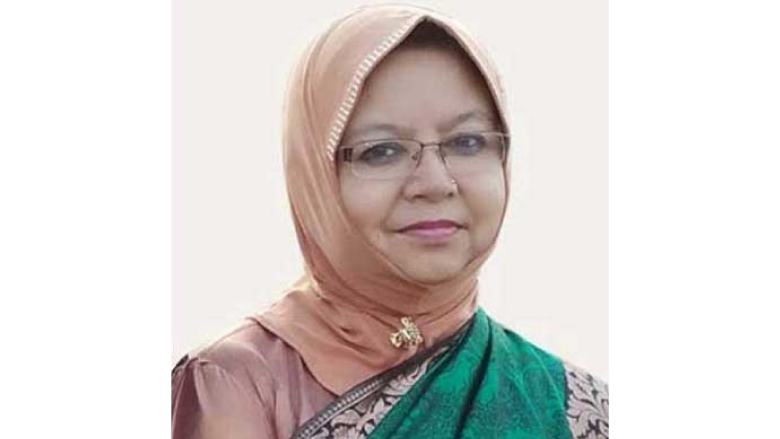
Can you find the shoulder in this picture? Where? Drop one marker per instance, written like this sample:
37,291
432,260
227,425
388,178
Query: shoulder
224,386
587,403
585,396
243,354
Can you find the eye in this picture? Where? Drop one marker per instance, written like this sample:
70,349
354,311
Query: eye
466,144
382,153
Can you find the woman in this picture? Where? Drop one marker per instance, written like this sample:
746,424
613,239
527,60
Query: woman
396,143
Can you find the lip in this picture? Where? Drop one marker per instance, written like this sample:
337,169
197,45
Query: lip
433,232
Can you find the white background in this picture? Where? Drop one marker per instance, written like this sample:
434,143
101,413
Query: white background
85,224
234,244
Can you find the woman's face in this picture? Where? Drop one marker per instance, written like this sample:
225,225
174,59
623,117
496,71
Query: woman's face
425,94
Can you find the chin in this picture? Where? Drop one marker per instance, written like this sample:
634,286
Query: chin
428,265
433,272
433,278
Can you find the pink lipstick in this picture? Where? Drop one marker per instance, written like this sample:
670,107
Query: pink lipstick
432,232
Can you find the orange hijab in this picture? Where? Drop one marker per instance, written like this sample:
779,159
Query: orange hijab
339,316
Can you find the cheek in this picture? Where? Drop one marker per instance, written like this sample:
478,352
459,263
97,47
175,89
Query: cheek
485,198
368,204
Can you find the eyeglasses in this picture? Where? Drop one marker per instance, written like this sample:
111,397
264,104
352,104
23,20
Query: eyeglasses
463,154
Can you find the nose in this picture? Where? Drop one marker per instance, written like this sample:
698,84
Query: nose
431,179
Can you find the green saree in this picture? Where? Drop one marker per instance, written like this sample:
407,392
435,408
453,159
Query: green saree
483,382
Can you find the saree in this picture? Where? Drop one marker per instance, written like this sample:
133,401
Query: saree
484,381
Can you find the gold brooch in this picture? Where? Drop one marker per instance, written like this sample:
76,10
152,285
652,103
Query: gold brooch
408,336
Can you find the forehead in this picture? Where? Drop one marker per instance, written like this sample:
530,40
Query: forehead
416,88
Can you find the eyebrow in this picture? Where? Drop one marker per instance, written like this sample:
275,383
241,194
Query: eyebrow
473,115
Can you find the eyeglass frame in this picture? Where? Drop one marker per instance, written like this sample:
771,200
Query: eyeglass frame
346,150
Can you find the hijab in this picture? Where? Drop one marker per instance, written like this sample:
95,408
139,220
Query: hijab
340,314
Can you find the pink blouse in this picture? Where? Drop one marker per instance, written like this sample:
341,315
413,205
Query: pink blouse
248,384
